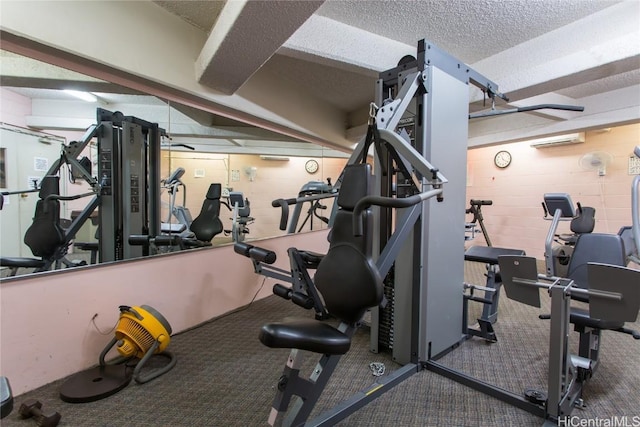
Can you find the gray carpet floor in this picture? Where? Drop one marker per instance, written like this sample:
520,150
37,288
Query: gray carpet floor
226,377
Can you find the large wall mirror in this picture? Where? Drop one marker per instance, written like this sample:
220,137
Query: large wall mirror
44,108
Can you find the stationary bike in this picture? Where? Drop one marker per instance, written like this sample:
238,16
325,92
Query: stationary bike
173,184
241,218
558,207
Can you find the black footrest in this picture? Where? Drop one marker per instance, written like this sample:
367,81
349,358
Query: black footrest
22,262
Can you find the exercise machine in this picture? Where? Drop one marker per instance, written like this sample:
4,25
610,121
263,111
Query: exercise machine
312,192
475,209
201,231
487,255
129,173
241,218
350,283
559,207
301,290
631,234
126,190
173,184
613,298
49,237
585,283
412,279
582,220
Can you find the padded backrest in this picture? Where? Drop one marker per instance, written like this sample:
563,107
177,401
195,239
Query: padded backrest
585,222
597,248
46,235
244,208
347,277
626,233
207,224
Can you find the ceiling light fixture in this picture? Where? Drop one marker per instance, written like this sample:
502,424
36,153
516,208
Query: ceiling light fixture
85,96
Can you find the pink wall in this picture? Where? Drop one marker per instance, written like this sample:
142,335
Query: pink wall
45,319
274,179
515,218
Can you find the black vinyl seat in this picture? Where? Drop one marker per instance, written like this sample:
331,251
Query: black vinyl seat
305,334
346,277
202,230
208,224
45,236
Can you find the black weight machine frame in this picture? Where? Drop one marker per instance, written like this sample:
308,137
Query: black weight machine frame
121,191
475,209
612,295
487,255
438,84
69,155
302,291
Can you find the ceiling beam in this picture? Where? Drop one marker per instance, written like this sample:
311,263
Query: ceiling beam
366,53
263,101
245,36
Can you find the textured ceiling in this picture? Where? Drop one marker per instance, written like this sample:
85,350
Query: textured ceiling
469,30
201,14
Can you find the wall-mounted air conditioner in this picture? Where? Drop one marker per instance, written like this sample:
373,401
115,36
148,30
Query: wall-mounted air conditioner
275,158
554,141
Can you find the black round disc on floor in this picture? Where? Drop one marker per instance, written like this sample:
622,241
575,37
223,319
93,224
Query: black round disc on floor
95,383
535,396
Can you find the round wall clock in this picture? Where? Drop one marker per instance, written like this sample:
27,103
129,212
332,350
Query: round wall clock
311,166
502,159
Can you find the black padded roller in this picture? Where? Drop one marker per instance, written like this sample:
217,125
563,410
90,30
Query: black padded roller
282,291
139,240
166,240
304,301
262,255
242,248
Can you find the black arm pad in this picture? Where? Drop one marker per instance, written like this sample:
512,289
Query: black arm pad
481,202
242,248
139,240
284,216
262,255
166,240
